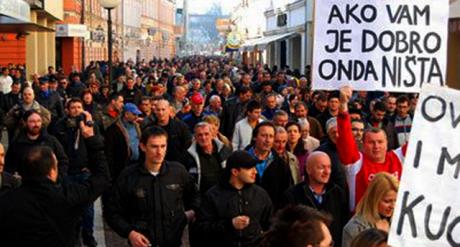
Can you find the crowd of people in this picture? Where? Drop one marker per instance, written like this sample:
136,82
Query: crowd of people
241,155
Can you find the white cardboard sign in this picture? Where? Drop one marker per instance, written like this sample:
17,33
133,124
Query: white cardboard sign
427,211
383,45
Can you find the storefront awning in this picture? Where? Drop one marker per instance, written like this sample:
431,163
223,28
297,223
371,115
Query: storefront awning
12,25
71,30
261,43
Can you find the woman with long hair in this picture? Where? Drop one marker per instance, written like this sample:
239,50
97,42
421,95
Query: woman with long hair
375,208
296,145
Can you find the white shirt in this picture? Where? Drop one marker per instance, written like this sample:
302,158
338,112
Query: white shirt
242,134
5,83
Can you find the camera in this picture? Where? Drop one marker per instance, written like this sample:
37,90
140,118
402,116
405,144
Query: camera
82,118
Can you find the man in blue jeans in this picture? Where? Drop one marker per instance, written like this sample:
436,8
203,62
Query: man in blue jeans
68,133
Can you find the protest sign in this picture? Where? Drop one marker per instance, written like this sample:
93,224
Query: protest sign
380,44
427,211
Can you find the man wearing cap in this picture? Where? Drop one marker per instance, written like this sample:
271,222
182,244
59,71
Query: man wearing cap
235,212
122,140
196,115
50,100
338,176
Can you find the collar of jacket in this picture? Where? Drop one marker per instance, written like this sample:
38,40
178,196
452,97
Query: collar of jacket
163,169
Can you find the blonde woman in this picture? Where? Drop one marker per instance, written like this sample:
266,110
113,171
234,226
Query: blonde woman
375,208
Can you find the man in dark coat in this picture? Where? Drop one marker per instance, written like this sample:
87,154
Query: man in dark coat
50,100
235,212
234,110
316,192
31,136
152,201
49,211
179,135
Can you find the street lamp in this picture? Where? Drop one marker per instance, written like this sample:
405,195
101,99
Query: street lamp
109,5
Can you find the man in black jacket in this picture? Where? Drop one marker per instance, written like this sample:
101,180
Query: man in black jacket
234,110
43,212
235,212
31,136
316,192
179,135
148,201
69,134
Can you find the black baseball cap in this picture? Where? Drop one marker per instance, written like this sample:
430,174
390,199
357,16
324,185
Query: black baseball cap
241,159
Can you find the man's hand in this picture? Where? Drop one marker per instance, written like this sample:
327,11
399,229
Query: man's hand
240,222
345,96
190,214
87,131
138,240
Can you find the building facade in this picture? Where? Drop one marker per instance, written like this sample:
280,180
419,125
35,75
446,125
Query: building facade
27,33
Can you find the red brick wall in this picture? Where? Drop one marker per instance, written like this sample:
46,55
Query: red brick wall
71,54
12,50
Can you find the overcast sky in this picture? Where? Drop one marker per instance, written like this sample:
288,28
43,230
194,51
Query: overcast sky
201,6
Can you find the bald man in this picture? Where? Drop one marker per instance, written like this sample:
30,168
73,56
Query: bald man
319,193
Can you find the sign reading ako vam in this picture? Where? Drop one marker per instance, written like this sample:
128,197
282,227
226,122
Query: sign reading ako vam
427,210
380,44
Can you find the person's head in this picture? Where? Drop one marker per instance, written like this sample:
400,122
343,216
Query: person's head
294,132
403,106
117,101
215,102
375,144
281,139
241,168
130,82
301,110
331,128
214,123
179,93
333,101
33,122
263,136
304,128
379,111
280,118
355,114
197,104
28,95
357,128
74,107
390,103
40,162
2,157
245,94
87,97
131,112
299,226
203,134
196,84
153,143
321,101
253,110
146,105
370,238
53,84
16,87
246,79
163,110
379,199
270,101
318,168
44,83
5,71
